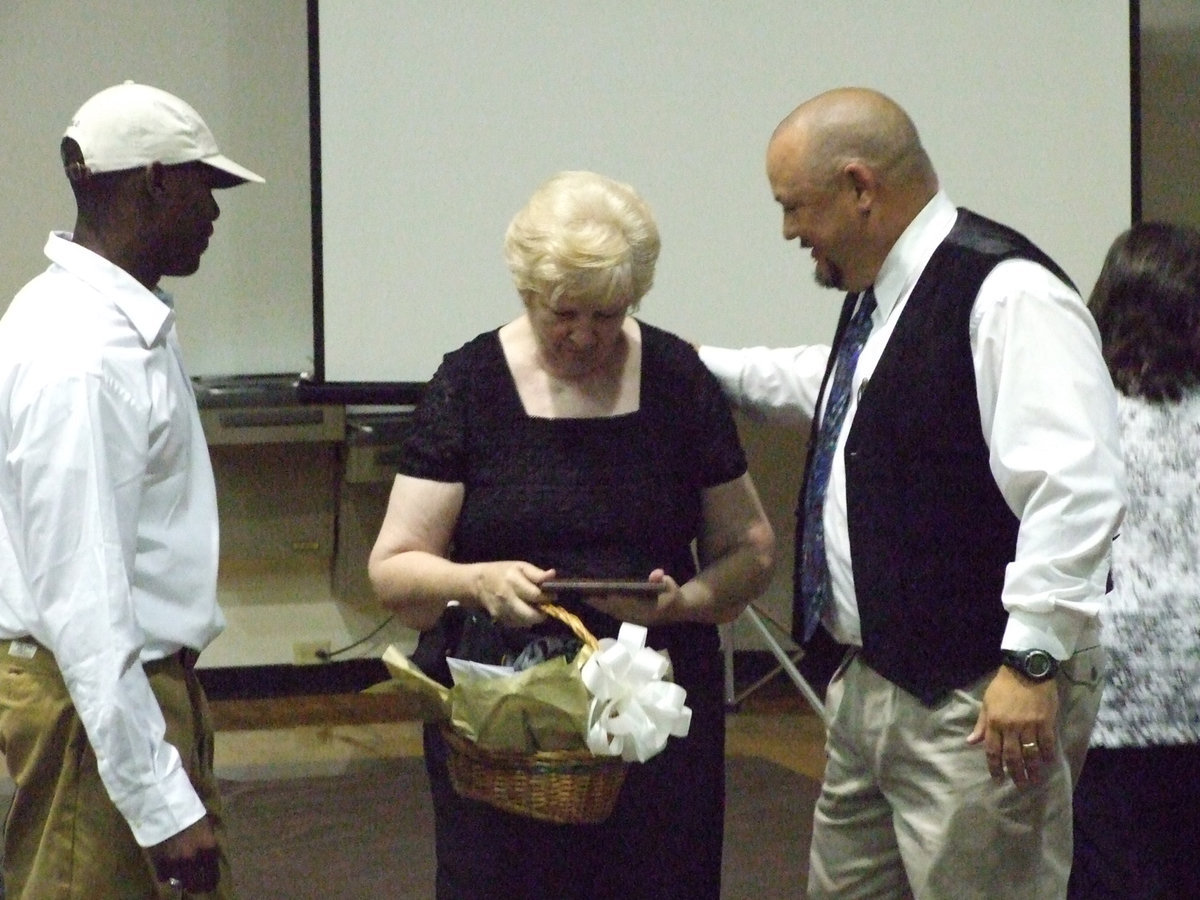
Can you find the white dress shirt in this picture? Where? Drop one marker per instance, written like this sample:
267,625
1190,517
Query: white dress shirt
1048,410
108,515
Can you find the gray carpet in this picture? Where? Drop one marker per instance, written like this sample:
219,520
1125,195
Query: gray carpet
368,833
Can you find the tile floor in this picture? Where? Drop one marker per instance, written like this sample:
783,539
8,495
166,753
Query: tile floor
327,733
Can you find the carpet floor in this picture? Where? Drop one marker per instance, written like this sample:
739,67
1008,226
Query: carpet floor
367,832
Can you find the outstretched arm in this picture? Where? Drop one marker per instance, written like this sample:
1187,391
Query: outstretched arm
777,385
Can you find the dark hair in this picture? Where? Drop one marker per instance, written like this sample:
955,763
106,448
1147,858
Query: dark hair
1147,306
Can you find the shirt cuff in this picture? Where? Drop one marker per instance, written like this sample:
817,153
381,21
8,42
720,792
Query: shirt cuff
163,810
1060,633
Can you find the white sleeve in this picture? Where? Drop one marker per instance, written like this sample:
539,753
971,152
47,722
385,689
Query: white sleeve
777,385
80,463
1048,410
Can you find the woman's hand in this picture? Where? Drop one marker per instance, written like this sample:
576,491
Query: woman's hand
509,592
737,555
412,576
641,609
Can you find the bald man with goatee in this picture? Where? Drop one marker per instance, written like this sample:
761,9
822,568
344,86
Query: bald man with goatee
963,486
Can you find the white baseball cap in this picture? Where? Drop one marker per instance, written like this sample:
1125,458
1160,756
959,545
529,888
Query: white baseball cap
131,125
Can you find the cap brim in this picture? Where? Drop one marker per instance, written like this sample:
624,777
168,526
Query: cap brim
238,174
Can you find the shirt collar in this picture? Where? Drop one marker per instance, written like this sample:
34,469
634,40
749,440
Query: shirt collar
150,312
908,256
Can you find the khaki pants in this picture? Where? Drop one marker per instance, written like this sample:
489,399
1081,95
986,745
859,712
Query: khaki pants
908,808
64,839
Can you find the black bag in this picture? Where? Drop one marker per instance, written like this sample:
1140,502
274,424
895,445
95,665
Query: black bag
470,634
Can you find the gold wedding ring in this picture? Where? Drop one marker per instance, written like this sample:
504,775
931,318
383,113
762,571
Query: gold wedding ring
1030,747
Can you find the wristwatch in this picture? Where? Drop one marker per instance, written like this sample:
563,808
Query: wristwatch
1036,665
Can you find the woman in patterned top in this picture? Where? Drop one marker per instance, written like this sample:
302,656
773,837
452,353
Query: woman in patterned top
579,442
1137,804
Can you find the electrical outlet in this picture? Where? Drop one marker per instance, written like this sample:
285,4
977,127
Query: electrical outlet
305,653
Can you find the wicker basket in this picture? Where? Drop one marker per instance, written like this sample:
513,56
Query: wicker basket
562,786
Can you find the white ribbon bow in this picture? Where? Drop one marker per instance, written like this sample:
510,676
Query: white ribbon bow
633,711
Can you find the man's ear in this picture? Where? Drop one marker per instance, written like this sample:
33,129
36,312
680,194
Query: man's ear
72,160
864,182
154,179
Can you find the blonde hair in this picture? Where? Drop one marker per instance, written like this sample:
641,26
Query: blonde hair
583,235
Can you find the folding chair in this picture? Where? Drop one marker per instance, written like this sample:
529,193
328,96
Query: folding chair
786,662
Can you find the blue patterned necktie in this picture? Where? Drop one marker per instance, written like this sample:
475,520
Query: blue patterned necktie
813,575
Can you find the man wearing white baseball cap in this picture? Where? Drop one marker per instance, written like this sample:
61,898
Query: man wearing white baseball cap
108,525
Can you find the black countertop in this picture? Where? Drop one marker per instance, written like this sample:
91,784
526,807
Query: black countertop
247,390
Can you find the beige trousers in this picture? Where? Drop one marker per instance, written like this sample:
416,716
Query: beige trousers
908,809
64,839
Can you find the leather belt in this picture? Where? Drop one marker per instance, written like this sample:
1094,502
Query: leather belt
27,648
188,657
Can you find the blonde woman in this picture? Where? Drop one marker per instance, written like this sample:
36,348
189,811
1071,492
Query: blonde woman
578,441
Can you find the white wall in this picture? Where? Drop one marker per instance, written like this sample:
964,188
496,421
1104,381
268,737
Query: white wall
244,65
462,108
438,121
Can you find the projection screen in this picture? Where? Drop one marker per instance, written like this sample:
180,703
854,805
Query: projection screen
434,122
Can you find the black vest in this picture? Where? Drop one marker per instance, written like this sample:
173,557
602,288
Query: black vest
930,534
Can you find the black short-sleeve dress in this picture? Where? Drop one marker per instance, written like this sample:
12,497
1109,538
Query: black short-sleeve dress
611,497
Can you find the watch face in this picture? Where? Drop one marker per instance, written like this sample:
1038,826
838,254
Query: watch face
1038,663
